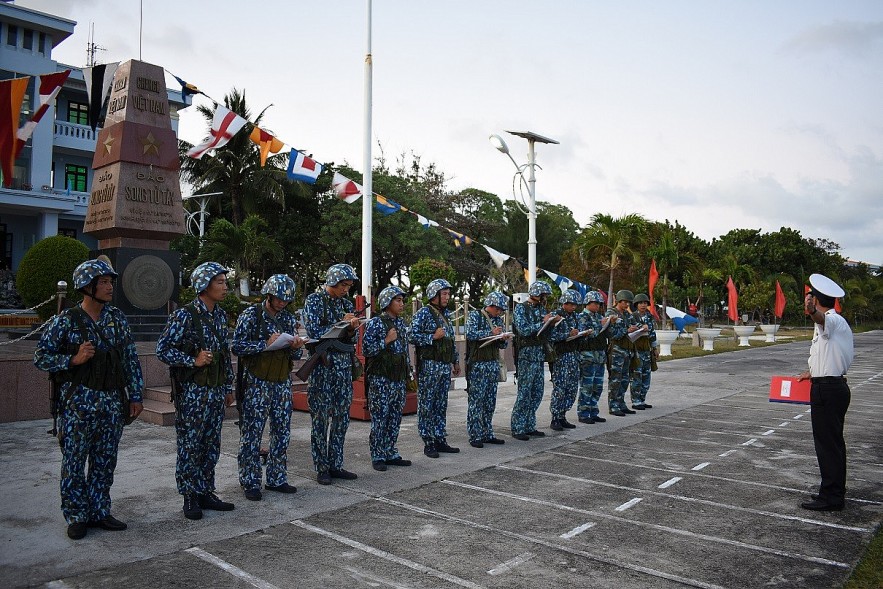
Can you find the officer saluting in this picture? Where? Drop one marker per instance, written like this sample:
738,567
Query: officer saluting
91,356
830,357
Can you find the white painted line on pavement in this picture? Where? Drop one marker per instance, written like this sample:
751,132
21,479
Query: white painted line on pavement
784,423
563,548
387,556
659,527
669,483
768,432
59,584
805,520
510,564
700,466
727,453
628,504
232,569
375,581
798,416
577,531
749,442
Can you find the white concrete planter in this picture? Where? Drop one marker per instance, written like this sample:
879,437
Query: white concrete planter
665,338
708,334
770,332
742,332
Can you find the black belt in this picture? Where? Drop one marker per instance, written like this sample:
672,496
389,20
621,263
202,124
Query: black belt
829,379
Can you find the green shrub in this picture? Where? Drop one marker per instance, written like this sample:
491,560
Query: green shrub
44,265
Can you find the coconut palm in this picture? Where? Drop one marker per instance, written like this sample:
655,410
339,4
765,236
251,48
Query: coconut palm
245,248
615,239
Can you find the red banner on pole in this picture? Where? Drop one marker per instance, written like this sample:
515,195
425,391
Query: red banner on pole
732,300
651,284
780,300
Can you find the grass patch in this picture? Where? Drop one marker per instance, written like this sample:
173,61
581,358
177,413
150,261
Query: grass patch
728,342
868,574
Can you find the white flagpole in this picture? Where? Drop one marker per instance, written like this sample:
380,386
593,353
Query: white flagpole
367,193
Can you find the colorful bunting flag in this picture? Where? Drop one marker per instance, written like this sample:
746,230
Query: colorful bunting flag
386,206
498,257
98,82
732,300
12,93
427,223
303,168
267,142
563,282
187,89
50,85
225,125
580,287
459,239
345,189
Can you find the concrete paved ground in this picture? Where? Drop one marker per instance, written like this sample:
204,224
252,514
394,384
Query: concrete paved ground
702,490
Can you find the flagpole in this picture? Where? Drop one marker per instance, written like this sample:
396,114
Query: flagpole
367,193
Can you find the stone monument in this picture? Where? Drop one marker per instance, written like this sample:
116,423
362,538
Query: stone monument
135,207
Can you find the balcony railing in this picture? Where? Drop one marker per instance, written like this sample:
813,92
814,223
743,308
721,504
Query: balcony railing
74,136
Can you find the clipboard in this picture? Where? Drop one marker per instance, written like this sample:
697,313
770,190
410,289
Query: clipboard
787,389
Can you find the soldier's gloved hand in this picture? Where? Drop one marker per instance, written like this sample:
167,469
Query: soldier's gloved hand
273,337
84,354
391,335
203,358
439,333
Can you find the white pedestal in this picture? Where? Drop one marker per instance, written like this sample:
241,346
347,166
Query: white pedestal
742,332
708,334
665,338
770,332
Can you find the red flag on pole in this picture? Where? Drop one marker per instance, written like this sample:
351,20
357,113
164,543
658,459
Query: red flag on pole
837,306
806,291
732,300
651,284
780,300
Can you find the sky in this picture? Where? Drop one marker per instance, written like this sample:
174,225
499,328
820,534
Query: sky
720,115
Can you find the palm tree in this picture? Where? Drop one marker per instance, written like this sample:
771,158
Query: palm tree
235,169
245,248
616,239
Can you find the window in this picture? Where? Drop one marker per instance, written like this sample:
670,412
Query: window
44,44
78,113
11,35
75,177
5,248
67,232
27,39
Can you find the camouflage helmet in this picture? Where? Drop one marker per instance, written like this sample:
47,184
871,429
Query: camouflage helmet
571,296
593,296
204,273
280,286
538,288
436,286
386,296
340,272
625,295
641,298
89,270
496,299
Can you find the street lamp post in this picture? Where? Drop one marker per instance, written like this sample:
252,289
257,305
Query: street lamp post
201,211
532,139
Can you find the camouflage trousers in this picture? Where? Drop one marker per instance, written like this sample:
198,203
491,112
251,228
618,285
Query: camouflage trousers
481,390
386,400
618,379
433,382
199,415
530,395
263,401
565,383
329,396
641,379
89,429
591,385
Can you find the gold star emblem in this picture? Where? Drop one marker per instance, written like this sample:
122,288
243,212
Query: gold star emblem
108,144
150,144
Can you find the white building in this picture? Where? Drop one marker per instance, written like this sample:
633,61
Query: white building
53,174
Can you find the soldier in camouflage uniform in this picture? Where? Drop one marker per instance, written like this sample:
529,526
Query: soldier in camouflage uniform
387,366
593,357
194,345
92,360
565,370
483,368
622,351
330,391
433,335
647,349
266,385
528,319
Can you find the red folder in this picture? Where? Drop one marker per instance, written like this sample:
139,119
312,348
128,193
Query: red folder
787,389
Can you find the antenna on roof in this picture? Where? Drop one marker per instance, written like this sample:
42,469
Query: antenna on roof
91,47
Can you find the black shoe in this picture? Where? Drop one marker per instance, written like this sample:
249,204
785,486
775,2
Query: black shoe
494,441
253,494
283,488
588,420
398,461
556,425
430,450
192,510
566,424
339,473
477,444
617,413
522,437
323,478
536,433
639,407
213,502
77,530
647,406
378,465
444,447
819,505
110,523
627,410
598,419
